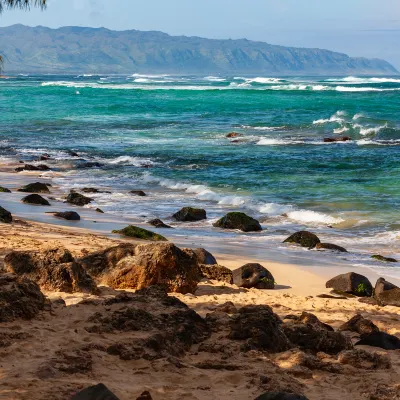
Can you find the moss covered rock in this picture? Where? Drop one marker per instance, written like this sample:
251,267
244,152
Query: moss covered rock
304,239
330,246
382,258
238,220
140,233
4,190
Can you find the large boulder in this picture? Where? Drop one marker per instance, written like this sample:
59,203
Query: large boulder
102,262
78,199
158,223
19,298
352,283
330,246
140,233
204,257
253,275
304,239
190,214
379,339
68,215
390,297
36,199
240,221
383,285
96,392
53,269
5,216
281,396
360,325
157,264
36,187
259,328
216,272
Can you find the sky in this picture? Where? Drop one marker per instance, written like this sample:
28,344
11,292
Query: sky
368,28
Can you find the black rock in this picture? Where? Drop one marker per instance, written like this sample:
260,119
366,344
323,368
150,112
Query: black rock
89,164
138,193
253,275
4,190
304,239
29,167
351,282
360,325
281,396
379,339
78,199
93,190
36,187
384,259
68,215
35,199
97,392
330,246
158,223
238,220
99,211
72,153
190,214
5,216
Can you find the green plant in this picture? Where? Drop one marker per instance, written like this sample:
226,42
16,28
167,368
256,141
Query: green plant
361,289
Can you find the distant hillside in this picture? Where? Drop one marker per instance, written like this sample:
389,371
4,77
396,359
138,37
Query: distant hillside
76,49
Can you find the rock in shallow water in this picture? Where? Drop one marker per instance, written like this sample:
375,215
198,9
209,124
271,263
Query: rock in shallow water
68,215
240,221
140,233
37,187
4,190
304,239
158,223
190,214
384,259
36,199
78,199
330,246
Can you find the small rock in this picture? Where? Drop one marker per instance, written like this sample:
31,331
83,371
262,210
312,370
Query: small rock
358,358
36,187
68,215
351,282
238,220
4,190
338,139
253,275
204,257
5,216
90,164
78,199
304,239
390,297
328,296
140,233
72,153
145,396
99,210
138,193
35,199
233,135
360,325
158,223
190,214
330,246
382,285
382,258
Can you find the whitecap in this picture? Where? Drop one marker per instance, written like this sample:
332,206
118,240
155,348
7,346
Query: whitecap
308,216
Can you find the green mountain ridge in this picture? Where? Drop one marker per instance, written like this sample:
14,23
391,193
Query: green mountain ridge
99,50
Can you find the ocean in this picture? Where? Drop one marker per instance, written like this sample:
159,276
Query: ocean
166,135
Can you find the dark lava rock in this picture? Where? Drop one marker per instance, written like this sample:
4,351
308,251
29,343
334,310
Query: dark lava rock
330,246
390,297
5,216
138,193
36,187
313,338
204,257
4,190
238,220
190,214
93,190
360,325
383,285
158,223
99,211
216,272
304,239
29,167
35,199
19,298
379,339
52,269
351,282
89,164
78,199
281,396
140,233
338,139
68,215
253,275
260,328
97,392
382,258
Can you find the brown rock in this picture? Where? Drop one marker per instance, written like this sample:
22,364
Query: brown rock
360,325
382,285
362,359
216,272
97,392
304,239
233,135
330,246
351,282
338,139
390,297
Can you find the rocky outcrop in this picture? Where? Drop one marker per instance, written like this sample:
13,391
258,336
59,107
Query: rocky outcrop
29,167
353,283
96,392
139,193
36,199
158,223
157,264
216,272
78,199
390,297
253,276
379,339
190,214
384,259
360,325
330,246
36,187
53,269
140,233
68,215
259,328
5,216
19,298
240,221
304,239
4,190
362,359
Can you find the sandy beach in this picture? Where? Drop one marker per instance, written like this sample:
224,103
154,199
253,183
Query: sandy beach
31,350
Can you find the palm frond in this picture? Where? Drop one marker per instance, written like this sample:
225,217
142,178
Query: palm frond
23,4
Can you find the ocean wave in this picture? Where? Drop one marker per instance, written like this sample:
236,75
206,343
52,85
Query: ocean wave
214,79
128,160
341,130
366,131
356,80
307,216
337,117
263,128
268,141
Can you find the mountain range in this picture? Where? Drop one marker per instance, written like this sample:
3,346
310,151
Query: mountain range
99,50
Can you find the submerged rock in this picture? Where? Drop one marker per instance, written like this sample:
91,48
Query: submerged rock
158,223
36,187
190,214
304,239
238,220
35,199
351,282
5,216
4,190
99,211
382,258
253,275
140,233
138,193
78,199
337,139
19,298
330,246
68,215
233,135
93,190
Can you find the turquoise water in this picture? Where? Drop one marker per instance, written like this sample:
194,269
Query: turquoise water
166,135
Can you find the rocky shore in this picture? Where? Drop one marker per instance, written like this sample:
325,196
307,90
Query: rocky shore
134,316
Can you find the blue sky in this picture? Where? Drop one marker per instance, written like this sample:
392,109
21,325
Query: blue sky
369,28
